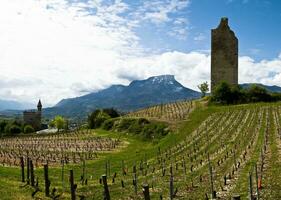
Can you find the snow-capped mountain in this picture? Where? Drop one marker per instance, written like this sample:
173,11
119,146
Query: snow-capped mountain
138,94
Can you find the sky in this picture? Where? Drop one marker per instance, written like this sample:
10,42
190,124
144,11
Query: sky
55,49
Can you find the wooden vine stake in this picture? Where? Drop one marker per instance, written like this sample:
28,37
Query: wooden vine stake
135,181
171,187
213,192
22,169
47,181
28,170
257,182
105,186
32,177
62,175
146,192
250,186
72,185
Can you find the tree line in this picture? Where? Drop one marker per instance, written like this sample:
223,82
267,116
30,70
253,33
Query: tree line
14,127
227,94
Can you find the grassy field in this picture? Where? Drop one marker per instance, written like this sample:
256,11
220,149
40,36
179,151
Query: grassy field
235,138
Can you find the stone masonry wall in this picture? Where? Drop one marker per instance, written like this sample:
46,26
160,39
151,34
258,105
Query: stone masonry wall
224,55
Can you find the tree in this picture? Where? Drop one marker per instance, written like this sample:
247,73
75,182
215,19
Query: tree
111,112
222,93
52,124
28,129
59,122
257,94
3,124
96,118
204,88
14,129
66,125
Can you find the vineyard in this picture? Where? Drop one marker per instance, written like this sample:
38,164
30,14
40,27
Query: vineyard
54,149
167,112
231,152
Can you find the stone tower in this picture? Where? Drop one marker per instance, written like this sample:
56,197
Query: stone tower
224,55
33,117
39,106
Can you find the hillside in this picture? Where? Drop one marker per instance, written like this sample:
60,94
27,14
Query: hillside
13,105
232,140
138,94
170,112
273,88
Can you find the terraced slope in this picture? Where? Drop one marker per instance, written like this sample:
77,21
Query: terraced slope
166,112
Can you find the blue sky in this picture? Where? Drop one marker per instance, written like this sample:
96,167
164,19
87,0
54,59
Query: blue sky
255,22
55,49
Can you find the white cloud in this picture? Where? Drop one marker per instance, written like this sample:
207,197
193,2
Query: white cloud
61,46
242,1
179,29
189,68
158,11
199,37
53,49
265,71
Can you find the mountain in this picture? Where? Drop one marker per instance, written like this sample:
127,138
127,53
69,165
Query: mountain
273,88
138,94
13,105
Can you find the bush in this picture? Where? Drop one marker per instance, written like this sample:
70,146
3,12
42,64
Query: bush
222,93
3,124
14,129
108,124
124,124
96,119
111,112
137,126
155,130
258,94
28,129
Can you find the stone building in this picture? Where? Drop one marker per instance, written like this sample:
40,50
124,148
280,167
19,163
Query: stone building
34,117
224,55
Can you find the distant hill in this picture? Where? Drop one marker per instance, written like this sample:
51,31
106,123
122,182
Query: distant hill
13,105
138,94
273,88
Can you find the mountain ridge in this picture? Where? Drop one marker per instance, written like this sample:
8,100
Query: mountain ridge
270,88
138,94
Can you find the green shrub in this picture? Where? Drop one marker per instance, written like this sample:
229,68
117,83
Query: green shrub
137,126
3,124
28,129
124,124
222,93
96,119
258,94
108,124
111,112
14,129
155,130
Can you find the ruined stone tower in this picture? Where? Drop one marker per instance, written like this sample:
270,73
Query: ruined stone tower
33,117
224,55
